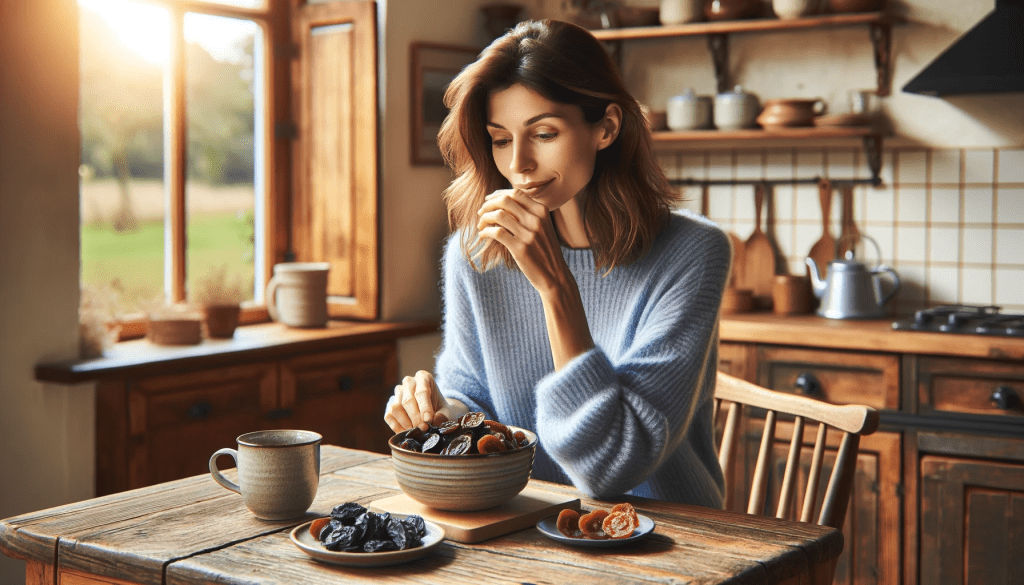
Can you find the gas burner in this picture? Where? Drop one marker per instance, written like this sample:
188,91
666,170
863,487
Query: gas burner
981,320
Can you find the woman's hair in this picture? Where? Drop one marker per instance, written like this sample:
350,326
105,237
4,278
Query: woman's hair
627,200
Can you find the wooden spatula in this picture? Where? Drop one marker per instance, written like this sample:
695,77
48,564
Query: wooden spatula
850,236
760,257
824,250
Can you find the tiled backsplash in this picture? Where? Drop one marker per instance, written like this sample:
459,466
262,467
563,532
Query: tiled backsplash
949,221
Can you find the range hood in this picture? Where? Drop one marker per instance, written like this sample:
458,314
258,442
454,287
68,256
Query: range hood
989,58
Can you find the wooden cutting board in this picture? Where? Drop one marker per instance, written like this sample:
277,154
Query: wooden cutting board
522,511
759,272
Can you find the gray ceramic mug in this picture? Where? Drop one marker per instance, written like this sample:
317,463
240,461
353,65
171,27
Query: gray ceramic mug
278,472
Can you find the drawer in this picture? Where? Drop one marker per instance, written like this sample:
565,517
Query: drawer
970,386
834,376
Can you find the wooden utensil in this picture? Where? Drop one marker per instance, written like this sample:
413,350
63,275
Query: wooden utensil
849,237
824,250
760,257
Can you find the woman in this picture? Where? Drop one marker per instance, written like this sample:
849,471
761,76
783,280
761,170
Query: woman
577,304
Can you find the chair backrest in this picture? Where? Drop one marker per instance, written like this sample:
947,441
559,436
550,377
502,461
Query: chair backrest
852,420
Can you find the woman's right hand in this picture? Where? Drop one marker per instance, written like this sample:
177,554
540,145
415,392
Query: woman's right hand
418,402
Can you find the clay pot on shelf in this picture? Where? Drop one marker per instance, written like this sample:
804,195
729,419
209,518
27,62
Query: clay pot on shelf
732,9
220,321
843,6
785,113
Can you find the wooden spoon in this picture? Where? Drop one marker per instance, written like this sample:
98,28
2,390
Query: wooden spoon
760,257
849,238
824,250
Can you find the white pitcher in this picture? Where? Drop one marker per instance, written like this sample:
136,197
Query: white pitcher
297,294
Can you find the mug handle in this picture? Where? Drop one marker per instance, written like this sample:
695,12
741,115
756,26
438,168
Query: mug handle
819,107
271,298
218,476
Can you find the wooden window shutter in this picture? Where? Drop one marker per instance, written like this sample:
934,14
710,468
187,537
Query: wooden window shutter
334,205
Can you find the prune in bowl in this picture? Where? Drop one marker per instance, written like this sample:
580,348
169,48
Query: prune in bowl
450,473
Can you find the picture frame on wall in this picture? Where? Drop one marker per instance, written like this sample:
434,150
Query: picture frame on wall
433,66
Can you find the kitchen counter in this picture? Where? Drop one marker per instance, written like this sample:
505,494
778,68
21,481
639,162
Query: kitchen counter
866,335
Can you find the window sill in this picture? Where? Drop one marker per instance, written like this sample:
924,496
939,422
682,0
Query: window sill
253,343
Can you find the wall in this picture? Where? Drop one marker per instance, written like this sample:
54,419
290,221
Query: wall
46,431
950,213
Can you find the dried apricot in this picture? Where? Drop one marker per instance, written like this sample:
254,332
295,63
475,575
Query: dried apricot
490,444
590,524
618,524
569,523
628,509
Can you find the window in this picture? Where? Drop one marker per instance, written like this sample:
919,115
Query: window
174,108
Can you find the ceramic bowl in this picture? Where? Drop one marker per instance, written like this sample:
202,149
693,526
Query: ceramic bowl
463,483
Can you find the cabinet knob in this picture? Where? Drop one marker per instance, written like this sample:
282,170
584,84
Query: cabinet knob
808,384
1005,398
199,410
345,383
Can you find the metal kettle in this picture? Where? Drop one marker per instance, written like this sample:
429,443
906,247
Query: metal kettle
850,290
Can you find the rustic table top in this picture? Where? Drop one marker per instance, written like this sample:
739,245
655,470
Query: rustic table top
194,531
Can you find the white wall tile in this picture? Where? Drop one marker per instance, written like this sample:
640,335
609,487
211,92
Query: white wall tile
880,205
720,165
749,165
779,164
946,166
910,244
810,163
943,285
911,204
913,281
841,164
1011,166
979,166
784,241
1010,246
883,236
808,206
944,244
744,204
693,165
977,205
976,286
912,168
1010,205
720,202
1009,287
945,204
977,245
783,203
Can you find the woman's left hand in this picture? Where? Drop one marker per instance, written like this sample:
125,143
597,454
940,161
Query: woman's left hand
511,218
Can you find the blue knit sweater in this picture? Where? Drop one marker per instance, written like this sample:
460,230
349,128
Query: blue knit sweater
632,415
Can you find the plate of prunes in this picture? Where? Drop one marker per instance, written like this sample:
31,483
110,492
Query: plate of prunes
356,537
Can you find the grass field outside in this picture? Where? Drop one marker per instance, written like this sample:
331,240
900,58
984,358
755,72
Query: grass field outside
132,262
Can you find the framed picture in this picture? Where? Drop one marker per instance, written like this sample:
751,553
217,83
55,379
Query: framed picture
433,68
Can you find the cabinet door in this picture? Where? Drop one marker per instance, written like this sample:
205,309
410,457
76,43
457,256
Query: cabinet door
871,530
738,359
972,521
342,395
968,386
838,377
177,421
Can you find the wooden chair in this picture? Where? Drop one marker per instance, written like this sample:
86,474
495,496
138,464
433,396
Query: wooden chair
852,420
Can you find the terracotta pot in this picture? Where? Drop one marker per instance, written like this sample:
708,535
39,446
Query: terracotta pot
221,320
784,113
841,6
737,300
732,9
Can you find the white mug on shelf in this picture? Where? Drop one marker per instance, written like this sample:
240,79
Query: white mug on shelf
680,11
297,294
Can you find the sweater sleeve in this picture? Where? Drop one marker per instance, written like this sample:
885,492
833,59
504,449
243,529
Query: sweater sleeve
460,363
610,425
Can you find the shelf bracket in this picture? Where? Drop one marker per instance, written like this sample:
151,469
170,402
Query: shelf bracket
718,44
881,40
873,152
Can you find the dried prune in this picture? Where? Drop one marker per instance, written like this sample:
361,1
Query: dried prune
375,545
433,444
417,433
450,428
415,526
459,445
472,420
411,445
347,513
343,539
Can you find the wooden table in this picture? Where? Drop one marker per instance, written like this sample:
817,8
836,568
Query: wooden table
194,531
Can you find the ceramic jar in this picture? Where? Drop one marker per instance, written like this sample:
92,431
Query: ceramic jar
787,9
784,113
680,11
687,111
735,110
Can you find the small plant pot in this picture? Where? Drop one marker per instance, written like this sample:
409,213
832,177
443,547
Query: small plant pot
175,331
221,321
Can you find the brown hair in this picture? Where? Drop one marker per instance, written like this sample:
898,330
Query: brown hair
627,200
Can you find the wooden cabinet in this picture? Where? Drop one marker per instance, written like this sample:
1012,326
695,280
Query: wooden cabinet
837,377
157,428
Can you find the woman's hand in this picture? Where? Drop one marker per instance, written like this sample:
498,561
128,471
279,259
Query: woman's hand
514,220
418,402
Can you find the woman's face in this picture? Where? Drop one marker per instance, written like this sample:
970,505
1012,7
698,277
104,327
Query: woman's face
544,148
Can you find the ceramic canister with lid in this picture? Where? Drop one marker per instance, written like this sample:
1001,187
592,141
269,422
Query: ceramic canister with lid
687,111
735,110
680,11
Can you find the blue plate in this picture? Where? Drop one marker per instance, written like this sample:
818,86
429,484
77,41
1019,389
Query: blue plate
549,528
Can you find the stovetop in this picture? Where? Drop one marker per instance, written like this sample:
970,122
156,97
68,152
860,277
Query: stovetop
967,319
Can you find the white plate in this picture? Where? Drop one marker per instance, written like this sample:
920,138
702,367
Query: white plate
549,528
312,547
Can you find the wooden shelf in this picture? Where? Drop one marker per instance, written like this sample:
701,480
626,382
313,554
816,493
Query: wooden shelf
741,26
797,133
